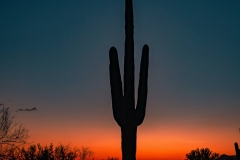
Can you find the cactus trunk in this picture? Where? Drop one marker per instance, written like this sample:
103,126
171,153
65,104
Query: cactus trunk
123,104
237,150
129,137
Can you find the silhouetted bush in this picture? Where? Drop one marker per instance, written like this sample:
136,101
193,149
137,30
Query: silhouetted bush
85,153
11,133
202,154
38,152
112,158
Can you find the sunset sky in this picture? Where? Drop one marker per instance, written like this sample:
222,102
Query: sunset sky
54,56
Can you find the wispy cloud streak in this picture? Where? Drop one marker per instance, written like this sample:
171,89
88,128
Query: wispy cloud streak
32,109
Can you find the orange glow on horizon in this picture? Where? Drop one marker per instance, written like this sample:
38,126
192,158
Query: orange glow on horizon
158,145
154,141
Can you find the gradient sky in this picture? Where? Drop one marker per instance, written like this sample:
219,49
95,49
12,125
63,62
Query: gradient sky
54,56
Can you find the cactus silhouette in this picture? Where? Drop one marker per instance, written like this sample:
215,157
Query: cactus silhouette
123,104
237,150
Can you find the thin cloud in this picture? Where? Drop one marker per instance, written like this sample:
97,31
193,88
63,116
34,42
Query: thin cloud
32,109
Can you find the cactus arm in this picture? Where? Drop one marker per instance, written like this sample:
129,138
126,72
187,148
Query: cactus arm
116,87
129,101
142,87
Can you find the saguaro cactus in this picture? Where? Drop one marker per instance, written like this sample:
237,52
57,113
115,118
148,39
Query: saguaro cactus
123,105
237,150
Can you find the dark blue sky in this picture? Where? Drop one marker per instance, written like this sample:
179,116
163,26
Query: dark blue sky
54,56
